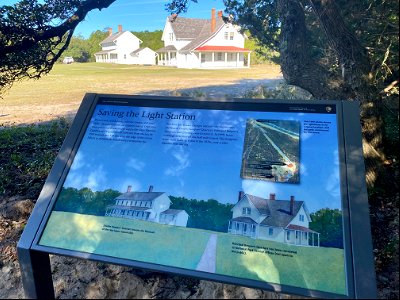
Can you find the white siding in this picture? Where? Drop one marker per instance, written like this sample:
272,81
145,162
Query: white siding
219,38
296,220
245,203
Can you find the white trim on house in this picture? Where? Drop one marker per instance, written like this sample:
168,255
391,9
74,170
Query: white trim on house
123,47
196,43
284,221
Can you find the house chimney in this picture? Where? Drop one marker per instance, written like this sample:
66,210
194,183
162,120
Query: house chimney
129,189
272,196
173,17
291,205
241,194
150,188
213,20
109,31
220,14
119,28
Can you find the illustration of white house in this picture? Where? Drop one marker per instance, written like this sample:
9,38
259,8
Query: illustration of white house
284,221
202,43
147,206
123,47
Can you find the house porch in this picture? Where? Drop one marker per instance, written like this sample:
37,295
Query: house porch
301,236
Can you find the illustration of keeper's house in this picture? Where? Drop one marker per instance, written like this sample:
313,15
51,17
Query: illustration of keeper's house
284,221
147,206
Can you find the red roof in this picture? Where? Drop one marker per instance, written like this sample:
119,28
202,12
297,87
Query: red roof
222,49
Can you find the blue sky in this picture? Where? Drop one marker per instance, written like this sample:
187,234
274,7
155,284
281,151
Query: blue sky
138,15
204,171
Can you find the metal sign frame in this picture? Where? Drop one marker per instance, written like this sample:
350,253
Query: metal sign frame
34,258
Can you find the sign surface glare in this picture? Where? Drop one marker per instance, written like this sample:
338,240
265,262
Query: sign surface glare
217,191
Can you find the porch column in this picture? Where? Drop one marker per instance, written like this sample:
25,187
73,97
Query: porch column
248,60
200,58
212,58
169,58
237,59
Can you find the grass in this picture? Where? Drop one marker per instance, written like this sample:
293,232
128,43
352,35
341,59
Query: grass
162,244
183,247
27,155
68,83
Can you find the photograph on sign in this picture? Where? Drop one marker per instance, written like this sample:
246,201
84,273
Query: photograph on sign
175,187
271,150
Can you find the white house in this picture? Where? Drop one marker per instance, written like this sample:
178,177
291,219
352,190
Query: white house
284,221
148,206
202,43
123,47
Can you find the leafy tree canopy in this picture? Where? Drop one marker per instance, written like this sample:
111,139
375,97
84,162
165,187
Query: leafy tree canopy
34,34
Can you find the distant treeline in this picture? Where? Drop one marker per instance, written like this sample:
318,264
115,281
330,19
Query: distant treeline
83,50
208,215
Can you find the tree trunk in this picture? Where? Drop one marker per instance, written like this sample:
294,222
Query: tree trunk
300,68
358,80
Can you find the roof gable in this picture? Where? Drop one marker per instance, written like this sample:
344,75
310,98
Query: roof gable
280,215
112,38
196,30
140,196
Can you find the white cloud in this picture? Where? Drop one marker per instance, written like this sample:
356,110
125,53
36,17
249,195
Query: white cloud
78,161
259,188
183,162
136,164
333,180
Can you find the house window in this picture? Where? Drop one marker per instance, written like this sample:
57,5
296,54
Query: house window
226,35
203,58
253,228
288,235
301,217
219,55
171,36
246,211
124,56
114,56
231,35
271,231
237,226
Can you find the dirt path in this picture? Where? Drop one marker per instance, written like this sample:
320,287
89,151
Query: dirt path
208,259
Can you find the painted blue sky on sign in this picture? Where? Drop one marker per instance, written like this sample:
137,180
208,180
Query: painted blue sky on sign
206,171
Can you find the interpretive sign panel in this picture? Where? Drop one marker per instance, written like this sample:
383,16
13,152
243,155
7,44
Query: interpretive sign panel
246,192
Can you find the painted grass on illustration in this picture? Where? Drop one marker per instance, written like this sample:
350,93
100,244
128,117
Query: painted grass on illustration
305,267
161,244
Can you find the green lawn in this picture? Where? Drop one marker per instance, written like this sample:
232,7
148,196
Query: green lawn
310,267
60,93
68,83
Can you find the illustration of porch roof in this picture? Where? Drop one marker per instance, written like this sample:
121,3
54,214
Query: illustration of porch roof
300,228
244,220
127,207
221,49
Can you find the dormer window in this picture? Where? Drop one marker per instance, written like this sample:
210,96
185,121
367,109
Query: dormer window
246,211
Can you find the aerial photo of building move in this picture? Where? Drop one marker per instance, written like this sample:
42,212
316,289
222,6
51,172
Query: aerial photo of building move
271,150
